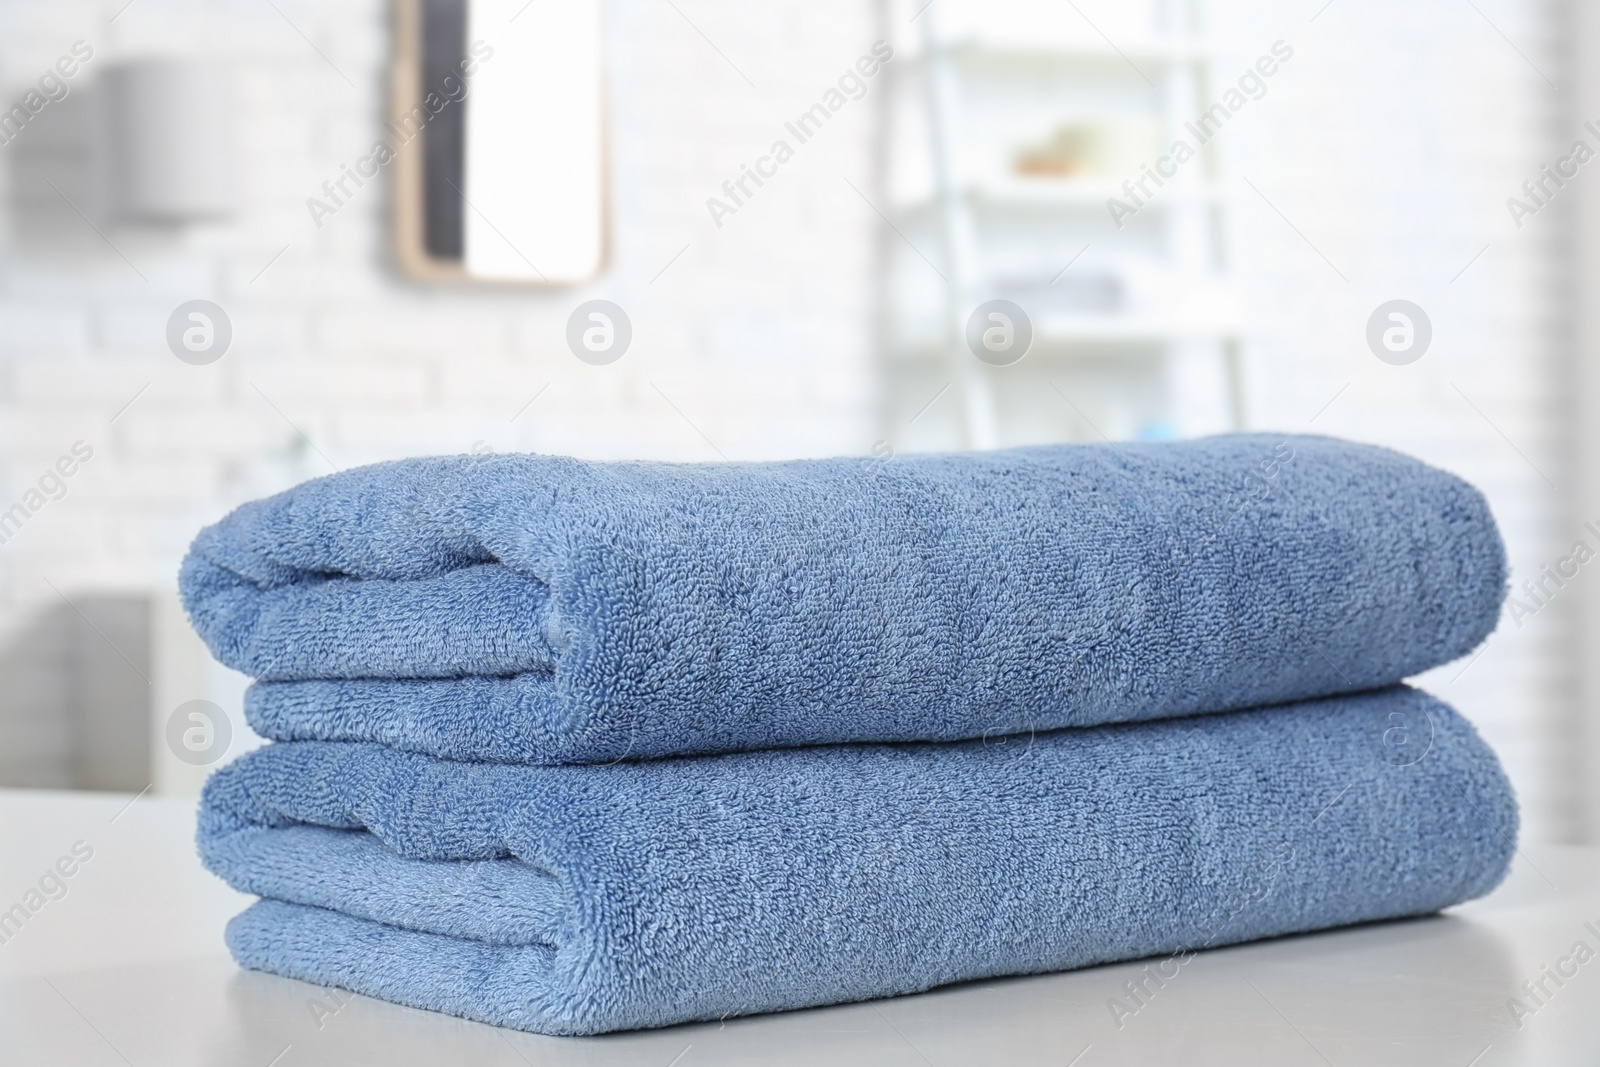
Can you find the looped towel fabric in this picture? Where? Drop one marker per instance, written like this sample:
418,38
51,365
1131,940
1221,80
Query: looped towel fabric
576,900
545,610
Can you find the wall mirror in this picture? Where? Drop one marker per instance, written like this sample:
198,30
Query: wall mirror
497,141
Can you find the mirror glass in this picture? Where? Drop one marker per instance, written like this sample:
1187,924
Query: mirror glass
500,148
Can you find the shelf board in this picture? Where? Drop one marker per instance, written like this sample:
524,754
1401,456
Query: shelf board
1106,330
1155,53
1141,329
1046,192
1050,193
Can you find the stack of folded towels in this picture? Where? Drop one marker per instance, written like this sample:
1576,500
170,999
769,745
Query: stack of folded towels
578,747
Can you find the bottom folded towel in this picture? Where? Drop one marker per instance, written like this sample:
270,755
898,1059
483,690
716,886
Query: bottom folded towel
577,900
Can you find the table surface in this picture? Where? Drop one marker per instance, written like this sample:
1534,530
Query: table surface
123,964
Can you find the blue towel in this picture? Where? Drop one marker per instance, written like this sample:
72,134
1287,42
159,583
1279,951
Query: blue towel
582,899
561,611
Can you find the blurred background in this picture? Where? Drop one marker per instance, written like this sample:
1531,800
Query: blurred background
358,304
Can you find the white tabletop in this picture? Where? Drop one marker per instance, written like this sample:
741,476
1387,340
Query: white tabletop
127,967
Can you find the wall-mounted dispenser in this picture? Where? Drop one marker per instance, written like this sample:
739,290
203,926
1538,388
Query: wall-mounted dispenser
170,143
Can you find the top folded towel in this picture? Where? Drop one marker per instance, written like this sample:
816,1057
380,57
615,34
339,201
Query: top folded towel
646,609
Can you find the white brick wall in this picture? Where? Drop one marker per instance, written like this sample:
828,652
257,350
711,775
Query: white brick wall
759,333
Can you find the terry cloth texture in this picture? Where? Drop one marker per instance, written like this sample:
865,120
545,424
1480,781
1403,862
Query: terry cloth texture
582,899
559,611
